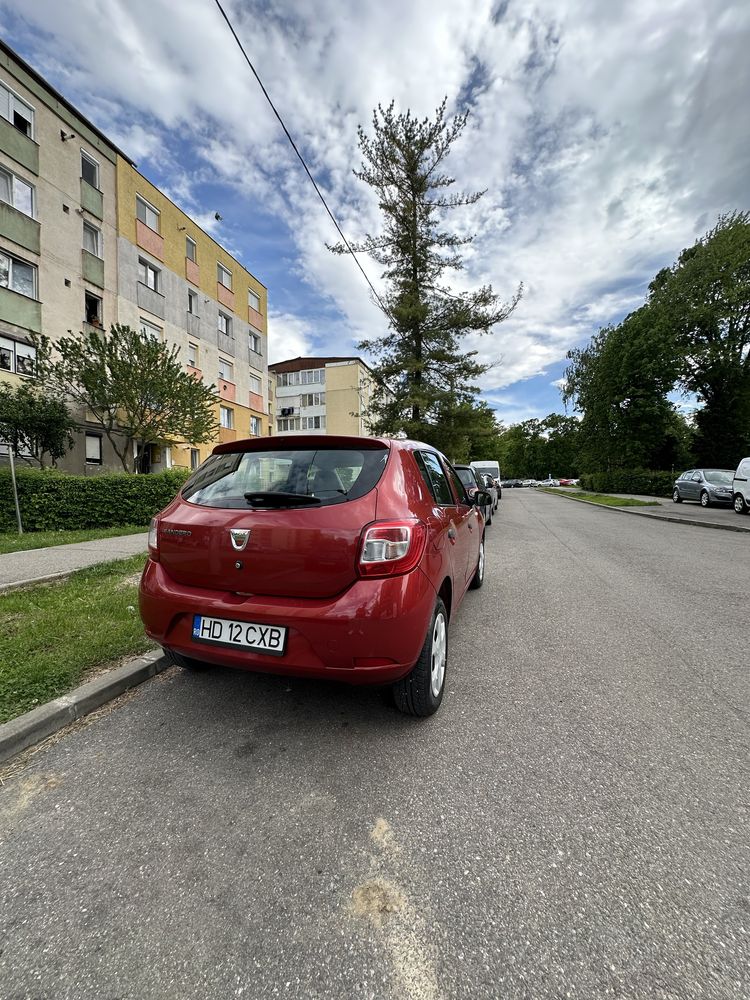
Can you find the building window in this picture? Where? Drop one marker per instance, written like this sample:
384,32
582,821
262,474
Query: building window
287,424
253,301
223,276
256,385
226,370
16,192
192,302
195,458
17,357
255,343
16,111
148,274
191,249
93,449
17,275
226,417
255,428
192,355
150,330
148,215
225,324
313,423
313,399
93,306
92,239
89,170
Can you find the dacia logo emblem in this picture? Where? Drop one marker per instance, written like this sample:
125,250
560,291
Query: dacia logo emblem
239,538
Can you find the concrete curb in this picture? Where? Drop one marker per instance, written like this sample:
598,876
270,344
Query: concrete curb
33,726
656,517
6,588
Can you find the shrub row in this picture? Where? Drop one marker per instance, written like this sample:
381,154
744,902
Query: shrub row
52,501
645,482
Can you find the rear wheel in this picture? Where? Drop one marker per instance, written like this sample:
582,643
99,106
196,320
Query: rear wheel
478,579
421,691
739,503
676,495
705,499
186,662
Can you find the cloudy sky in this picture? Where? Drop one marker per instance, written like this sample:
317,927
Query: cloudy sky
608,136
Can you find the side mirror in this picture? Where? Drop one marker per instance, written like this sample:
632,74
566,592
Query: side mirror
481,498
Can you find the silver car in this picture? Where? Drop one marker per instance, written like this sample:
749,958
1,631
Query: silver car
706,486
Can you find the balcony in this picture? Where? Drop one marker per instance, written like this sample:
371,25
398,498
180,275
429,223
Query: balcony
150,300
192,272
21,311
18,146
19,228
227,434
255,318
225,343
92,268
225,295
149,240
193,325
92,200
226,390
256,402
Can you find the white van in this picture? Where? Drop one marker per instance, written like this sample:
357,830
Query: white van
741,487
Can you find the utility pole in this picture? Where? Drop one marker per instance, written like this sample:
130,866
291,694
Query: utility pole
15,486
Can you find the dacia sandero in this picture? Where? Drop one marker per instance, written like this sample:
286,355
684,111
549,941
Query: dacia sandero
317,556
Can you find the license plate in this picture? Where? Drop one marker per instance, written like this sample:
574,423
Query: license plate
269,639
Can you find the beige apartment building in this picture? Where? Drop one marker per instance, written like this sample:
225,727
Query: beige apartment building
322,395
86,241
58,231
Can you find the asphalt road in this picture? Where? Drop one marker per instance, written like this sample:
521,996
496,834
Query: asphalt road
573,823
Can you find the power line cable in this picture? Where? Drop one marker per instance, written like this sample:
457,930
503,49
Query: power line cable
301,158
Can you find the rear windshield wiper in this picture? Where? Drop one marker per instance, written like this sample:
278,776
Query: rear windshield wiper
281,499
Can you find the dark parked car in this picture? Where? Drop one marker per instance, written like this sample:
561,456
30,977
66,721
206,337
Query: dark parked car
474,486
318,556
707,486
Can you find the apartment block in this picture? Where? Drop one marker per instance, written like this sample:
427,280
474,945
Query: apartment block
322,396
86,241
58,231
178,284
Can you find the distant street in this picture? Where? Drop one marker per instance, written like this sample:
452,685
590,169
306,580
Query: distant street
575,822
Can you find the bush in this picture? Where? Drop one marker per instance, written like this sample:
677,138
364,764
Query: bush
52,501
643,482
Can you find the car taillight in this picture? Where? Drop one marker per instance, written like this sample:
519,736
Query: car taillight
153,539
390,548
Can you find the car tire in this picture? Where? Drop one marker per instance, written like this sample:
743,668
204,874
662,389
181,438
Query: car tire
421,691
186,662
478,579
739,504
705,499
676,498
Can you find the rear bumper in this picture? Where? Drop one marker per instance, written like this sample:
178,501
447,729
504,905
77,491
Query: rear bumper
372,633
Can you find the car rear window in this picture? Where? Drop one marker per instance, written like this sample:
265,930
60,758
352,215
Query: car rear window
332,475
467,477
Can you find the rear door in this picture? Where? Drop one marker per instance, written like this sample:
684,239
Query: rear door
283,522
453,520
472,522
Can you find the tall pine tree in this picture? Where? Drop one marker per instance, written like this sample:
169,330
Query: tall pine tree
423,372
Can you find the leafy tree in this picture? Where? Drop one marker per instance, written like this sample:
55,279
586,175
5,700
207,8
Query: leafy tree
34,423
424,373
537,448
703,303
465,431
134,386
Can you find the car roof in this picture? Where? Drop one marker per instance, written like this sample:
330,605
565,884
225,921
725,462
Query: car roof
291,441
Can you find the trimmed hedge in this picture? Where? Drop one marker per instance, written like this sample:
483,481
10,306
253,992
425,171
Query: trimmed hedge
52,501
643,482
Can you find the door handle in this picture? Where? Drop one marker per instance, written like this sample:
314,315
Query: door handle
452,534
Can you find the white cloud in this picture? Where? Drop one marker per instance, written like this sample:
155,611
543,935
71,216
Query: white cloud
288,337
609,136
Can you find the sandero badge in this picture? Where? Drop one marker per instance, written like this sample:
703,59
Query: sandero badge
362,552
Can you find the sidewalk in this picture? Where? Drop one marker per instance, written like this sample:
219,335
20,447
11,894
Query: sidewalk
721,517
40,565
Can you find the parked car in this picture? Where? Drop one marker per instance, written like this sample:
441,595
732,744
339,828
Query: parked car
741,487
706,486
317,556
549,482
493,488
474,485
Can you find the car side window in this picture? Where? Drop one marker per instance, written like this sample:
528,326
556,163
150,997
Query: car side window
744,469
435,478
697,477
459,490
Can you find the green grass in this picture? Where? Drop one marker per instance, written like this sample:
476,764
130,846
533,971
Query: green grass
13,542
603,498
51,636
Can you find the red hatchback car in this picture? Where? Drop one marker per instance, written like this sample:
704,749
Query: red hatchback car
318,556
